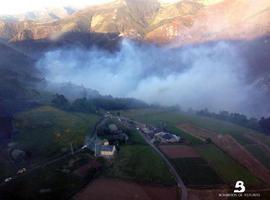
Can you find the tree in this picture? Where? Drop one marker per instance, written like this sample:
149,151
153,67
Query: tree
83,105
265,124
60,101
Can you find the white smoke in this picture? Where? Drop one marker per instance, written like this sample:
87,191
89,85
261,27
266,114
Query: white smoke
211,76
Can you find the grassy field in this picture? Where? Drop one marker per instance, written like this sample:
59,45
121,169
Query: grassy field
196,172
191,139
45,131
136,138
140,163
228,169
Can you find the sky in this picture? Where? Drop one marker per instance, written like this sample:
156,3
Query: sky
20,6
13,7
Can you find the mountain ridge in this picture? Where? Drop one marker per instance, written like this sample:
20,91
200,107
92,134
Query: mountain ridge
186,21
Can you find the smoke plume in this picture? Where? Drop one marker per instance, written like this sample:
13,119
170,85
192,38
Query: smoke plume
206,76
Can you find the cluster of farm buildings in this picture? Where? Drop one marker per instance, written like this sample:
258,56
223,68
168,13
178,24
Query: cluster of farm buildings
156,135
153,134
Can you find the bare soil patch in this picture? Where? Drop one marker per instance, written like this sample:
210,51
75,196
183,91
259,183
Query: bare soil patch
232,147
197,132
179,151
114,189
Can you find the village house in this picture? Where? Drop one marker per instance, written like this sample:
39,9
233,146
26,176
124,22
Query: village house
106,150
166,137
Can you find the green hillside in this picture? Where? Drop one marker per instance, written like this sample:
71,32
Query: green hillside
46,131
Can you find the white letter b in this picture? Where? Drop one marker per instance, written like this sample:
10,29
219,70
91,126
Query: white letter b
239,186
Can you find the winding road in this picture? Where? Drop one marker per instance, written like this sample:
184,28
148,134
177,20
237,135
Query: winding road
180,183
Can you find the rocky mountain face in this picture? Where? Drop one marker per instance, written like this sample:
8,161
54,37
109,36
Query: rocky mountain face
187,21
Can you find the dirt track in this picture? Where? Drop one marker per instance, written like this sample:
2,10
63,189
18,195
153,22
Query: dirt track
232,147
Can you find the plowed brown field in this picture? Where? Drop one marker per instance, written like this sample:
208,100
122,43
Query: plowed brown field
114,189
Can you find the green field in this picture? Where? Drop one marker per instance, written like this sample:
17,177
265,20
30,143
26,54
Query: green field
191,139
46,131
228,169
135,137
140,163
196,172
137,161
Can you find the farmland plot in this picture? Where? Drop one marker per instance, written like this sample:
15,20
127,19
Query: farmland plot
233,148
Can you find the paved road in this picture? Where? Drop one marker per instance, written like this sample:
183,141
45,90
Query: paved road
92,139
178,179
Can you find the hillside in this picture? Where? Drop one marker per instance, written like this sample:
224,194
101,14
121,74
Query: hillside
18,79
46,131
229,19
187,21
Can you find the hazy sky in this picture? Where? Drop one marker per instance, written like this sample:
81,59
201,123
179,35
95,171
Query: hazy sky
20,6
